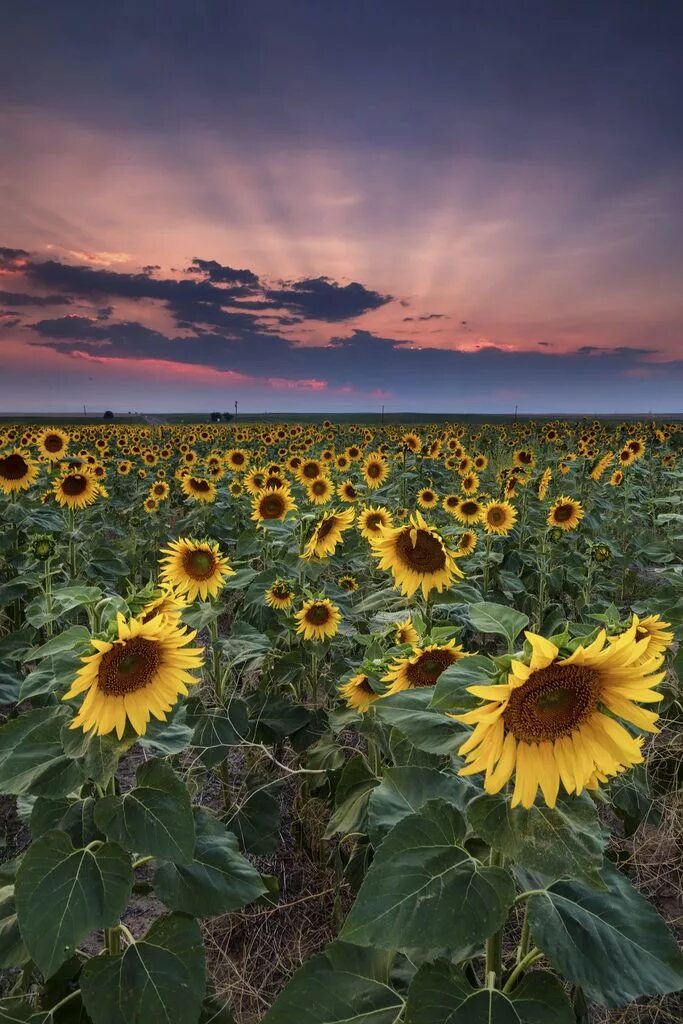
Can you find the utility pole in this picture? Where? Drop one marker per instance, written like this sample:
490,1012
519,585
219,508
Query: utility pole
235,412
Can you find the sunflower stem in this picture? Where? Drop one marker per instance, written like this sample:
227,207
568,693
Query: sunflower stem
532,956
216,673
523,947
112,940
494,943
72,543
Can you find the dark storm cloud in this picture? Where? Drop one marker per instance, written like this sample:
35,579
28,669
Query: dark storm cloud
216,272
9,258
427,316
23,299
322,299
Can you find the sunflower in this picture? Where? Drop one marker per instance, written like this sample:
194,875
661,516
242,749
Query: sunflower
544,482
320,490
372,520
658,633
416,556
255,480
617,478
53,444
198,488
347,491
413,442
310,470
375,470
124,467
17,471
470,484
279,595
480,462
358,693
405,632
140,674
318,619
328,533
150,504
168,603
466,543
75,490
468,511
237,460
347,583
554,721
422,668
566,513
194,567
626,457
427,498
272,505
498,517
525,458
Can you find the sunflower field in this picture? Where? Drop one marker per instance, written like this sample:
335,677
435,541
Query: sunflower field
340,723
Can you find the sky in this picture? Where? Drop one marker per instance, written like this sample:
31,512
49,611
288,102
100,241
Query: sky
445,206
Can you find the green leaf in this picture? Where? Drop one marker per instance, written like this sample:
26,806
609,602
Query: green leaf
273,717
450,692
355,785
74,638
155,817
405,790
32,758
441,994
218,879
343,985
160,978
498,618
62,601
565,842
425,892
99,755
216,731
64,893
75,817
427,728
611,943
257,822
12,950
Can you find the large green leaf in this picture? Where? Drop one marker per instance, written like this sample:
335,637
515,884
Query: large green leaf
612,943
32,758
12,950
155,817
62,600
256,821
564,842
217,880
441,994
64,893
75,638
355,785
217,730
158,979
427,728
498,618
425,892
343,985
75,817
406,789
450,692
99,755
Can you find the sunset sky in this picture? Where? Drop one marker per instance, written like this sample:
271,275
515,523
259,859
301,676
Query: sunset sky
444,206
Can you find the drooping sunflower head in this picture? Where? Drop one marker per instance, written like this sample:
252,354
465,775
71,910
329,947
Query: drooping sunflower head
75,490
422,668
566,513
347,491
416,556
53,444
371,521
554,721
168,602
617,478
17,471
328,533
358,693
499,517
194,568
318,619
279,594
273,504
658,633
405,632
141,673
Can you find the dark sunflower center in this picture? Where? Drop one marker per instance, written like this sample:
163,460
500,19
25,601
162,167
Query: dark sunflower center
199,565
272,507
374,470
281,591
363,686
426,555
53,443
318,615
469,508
74,485
496,516
238,459
128,667
350,491
552,702
429,667
13,467
428,496
159,488
311,470
201,486
563,513
326,528
374,522
319,487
